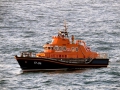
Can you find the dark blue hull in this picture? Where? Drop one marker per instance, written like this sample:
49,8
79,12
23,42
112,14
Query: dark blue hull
34,63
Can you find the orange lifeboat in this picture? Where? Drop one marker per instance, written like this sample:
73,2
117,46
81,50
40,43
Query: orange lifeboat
63,53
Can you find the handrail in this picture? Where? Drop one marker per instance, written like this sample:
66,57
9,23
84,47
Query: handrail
102,55
28,54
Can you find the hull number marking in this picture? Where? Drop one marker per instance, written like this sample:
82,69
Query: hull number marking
38,63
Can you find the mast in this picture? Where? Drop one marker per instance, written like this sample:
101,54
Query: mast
65,30
63,33
65,26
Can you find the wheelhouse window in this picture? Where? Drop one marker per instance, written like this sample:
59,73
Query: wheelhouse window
76,49
51,48
73,49
64,48
60,48
48,47
56,48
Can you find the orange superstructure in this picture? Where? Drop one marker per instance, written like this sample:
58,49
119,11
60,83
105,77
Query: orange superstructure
63,47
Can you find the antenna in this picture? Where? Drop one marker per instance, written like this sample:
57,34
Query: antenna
65,32
65,25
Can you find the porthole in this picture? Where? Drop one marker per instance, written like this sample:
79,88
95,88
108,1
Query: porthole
65,56
59,56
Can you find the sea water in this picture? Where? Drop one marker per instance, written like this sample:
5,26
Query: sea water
26,25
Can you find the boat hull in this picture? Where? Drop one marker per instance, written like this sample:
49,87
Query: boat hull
35,63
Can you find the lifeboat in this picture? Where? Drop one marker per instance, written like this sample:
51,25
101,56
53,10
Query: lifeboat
63,53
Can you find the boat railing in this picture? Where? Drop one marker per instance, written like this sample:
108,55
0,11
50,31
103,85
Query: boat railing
103,55
28,54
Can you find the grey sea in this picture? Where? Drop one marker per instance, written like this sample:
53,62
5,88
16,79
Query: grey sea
26,25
